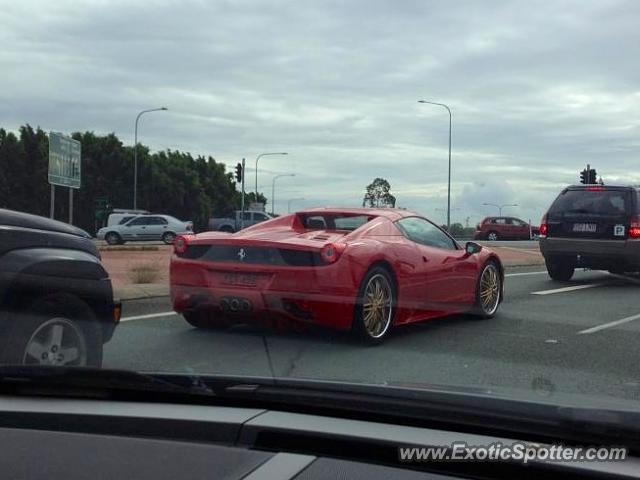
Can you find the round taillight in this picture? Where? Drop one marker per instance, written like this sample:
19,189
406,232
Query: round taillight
180,245
331,252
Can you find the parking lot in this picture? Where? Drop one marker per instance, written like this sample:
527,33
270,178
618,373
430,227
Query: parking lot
550,337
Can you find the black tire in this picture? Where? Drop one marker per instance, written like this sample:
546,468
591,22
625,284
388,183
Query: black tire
227,228
482,309
204,320
168,238
493,236
560,270
113,238
360,328
51,327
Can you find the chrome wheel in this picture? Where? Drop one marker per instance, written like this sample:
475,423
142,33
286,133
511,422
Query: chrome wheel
168,238
112,238
57,341
493,236
377,306
489,289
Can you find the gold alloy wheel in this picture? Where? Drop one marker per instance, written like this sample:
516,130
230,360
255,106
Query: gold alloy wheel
377,306
490,289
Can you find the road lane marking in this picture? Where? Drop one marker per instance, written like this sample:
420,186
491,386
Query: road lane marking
531,251
149,315
615,323
567,289
524,273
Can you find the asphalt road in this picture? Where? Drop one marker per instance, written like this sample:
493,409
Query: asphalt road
544,341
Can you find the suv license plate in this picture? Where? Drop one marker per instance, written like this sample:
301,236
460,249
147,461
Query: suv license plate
585,227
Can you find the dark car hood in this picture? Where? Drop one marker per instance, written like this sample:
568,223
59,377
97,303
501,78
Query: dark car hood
25,220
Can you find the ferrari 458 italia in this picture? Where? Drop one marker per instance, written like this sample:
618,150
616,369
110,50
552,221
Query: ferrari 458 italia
366,270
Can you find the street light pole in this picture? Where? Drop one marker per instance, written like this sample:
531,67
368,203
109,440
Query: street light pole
293,200
500,207
273,189
135,155
449,176
258,158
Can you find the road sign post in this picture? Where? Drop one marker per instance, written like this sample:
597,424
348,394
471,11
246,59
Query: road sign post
64,167
242,201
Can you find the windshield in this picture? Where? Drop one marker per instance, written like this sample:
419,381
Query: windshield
593,202
431,194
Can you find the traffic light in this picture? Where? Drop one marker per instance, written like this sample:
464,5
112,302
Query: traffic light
239,172
583,177
592,176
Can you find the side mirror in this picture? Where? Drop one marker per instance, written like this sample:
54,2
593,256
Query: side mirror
472,248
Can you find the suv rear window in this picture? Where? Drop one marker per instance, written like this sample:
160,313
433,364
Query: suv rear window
592,202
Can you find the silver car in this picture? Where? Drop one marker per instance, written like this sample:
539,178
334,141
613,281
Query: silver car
145,227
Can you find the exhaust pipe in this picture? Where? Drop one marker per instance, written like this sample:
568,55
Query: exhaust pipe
234,304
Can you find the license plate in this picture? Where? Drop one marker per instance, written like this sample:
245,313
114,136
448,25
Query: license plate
244,279
585,227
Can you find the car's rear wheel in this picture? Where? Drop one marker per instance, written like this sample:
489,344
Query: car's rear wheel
560,269
493,236
168,238
56,332
204,320
112,238
376,305
488,290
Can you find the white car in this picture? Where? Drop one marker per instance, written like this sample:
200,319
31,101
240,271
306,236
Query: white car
145,227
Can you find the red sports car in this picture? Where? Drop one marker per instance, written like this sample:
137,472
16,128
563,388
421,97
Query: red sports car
346,268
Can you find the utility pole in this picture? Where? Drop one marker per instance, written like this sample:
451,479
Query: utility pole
242,200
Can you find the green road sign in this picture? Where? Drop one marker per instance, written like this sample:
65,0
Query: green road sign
64,161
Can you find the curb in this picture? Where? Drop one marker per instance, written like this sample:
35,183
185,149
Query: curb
142,291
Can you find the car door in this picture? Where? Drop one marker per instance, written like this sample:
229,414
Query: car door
446,274
500,227
134,229
155,228
520,229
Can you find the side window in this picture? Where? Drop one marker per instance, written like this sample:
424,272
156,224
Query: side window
517,222
125,220
316,223
260,217
247,216
426,233
500,221
136,222
156,221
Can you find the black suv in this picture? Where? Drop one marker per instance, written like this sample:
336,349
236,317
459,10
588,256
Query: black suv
56,299
592,226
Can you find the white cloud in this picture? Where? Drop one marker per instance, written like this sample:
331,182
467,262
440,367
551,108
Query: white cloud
536,93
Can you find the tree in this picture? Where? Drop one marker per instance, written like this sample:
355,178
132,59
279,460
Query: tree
378,194
170,182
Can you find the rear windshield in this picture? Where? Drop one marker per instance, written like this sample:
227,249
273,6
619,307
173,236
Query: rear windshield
592,202
335,222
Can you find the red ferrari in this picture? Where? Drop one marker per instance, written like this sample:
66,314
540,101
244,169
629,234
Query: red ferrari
367,270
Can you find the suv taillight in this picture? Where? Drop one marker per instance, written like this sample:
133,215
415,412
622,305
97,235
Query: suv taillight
634,227
544,226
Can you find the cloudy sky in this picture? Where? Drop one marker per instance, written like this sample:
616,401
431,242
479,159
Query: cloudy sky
537,90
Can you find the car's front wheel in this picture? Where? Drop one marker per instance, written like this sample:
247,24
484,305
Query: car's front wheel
376,305
561,270
488,290
112,238
492,236
54,332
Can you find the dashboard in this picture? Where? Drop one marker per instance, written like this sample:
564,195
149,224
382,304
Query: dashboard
74,439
